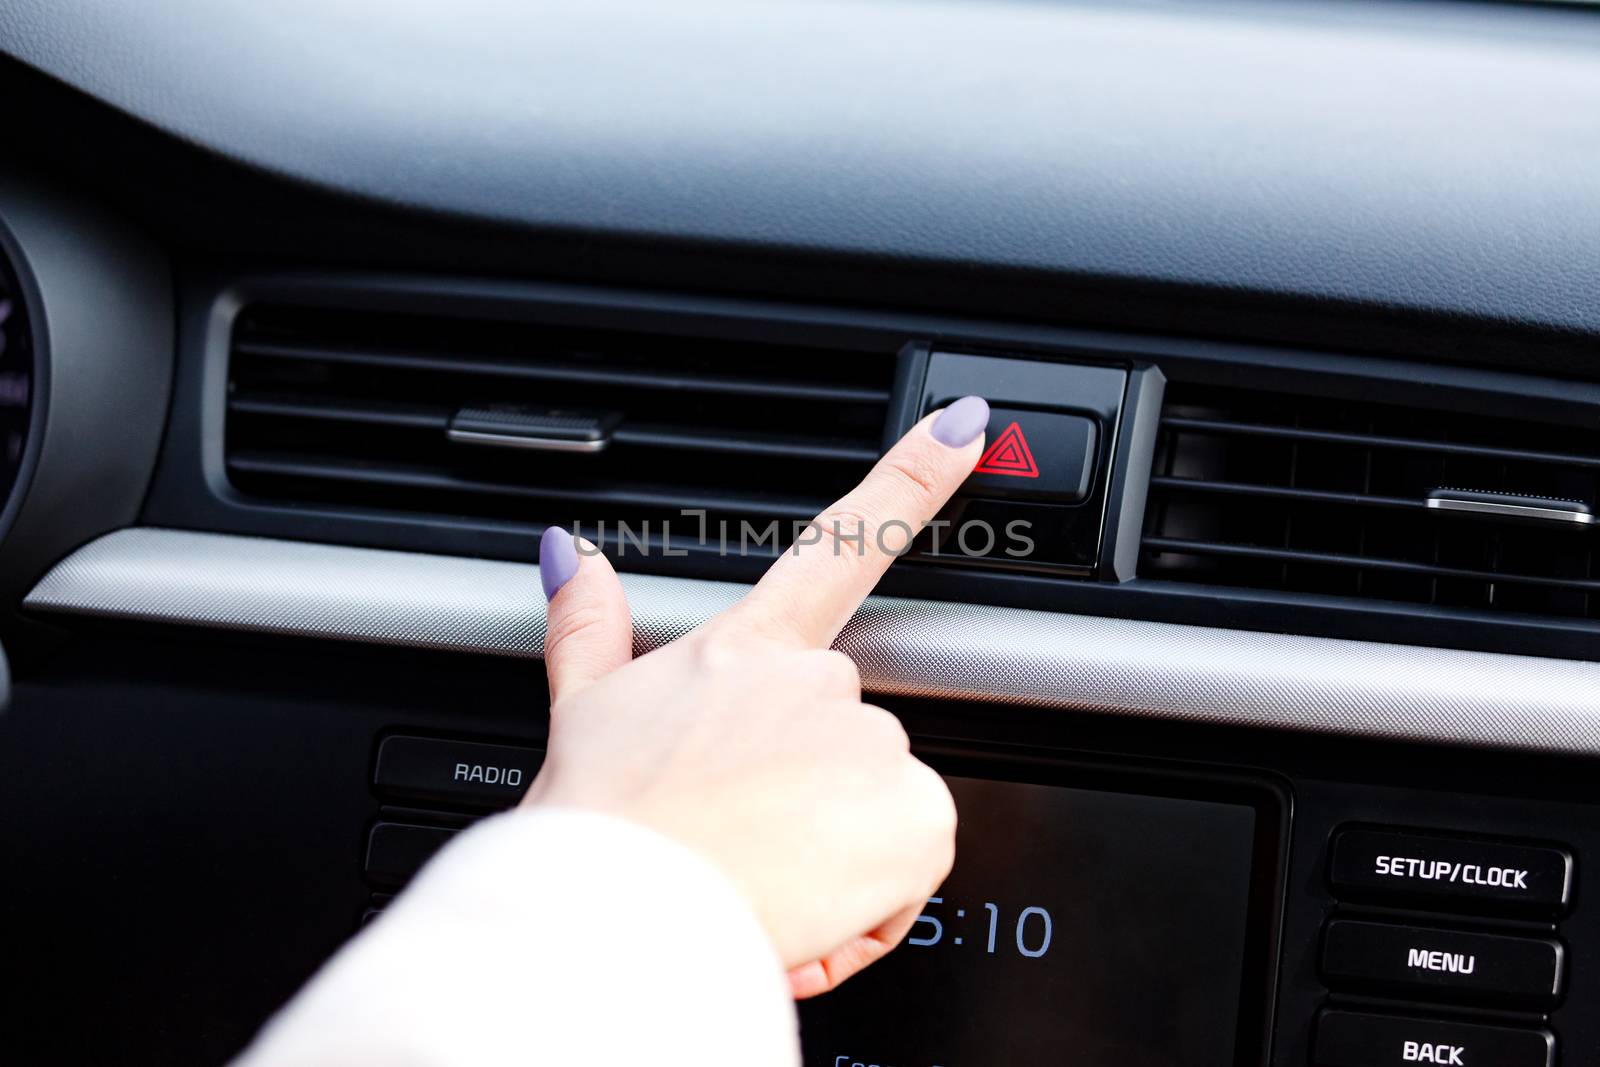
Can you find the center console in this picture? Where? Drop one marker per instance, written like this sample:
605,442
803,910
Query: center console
1112,912
1124,893
1117,911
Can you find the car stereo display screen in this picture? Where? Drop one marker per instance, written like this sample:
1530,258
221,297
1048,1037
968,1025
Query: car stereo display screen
1078,927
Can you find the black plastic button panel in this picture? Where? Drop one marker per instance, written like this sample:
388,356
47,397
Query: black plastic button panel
396,851
431,772
1521,969
1451,873
1452,965
1038,497
1362,1039
455,772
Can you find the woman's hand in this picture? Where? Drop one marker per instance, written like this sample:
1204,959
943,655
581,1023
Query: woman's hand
748,741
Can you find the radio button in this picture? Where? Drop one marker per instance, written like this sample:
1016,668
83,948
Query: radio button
1358,1039
1451,872
464,772
1434,964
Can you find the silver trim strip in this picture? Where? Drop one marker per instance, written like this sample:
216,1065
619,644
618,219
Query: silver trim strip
1560,512
904,647
522,441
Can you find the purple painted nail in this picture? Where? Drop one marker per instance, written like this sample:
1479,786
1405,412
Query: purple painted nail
558,560
959,424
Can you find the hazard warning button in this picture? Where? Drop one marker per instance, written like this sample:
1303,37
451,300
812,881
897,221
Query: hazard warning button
1036,455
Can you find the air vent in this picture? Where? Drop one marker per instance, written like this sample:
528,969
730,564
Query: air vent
16,384
484,420
1370,500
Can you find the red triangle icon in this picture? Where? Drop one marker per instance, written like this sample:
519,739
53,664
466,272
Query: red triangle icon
1009,455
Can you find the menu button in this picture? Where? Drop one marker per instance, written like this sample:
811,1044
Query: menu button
1432,964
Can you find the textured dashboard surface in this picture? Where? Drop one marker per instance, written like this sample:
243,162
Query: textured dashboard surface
1439,157
904,647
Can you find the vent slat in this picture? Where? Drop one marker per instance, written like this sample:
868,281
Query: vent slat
553,371
643,435
412,416
1284,555
340,408
1300,494
640,435
1365,440
421,478
748,444
1274,492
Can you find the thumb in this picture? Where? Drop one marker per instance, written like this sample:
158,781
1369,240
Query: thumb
589,632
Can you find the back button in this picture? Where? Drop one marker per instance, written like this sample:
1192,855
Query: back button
1359,1039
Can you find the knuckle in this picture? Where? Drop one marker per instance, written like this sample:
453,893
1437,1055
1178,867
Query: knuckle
572,626
918,474
887,727
848,527
841,671
938,807
717,650
851,531
745,627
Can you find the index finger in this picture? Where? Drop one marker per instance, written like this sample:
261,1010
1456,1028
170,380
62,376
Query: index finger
812,590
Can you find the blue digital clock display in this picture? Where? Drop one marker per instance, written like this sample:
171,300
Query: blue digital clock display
1085,927
929,929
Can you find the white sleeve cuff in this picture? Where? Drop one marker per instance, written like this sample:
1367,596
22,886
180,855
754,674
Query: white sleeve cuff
549,937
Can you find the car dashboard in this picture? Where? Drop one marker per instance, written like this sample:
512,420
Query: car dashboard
1260,650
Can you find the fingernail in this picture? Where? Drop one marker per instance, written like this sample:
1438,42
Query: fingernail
558,560
960,424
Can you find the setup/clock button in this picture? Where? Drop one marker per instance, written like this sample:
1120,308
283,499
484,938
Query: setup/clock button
1452,873
1431,964
1362,1039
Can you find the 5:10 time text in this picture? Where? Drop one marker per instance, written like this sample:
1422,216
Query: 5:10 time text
1030,933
